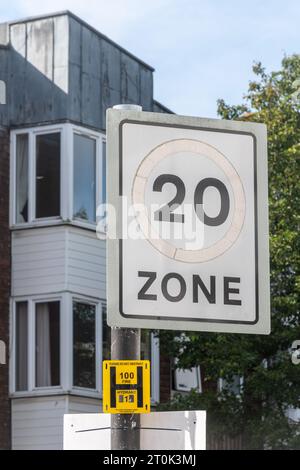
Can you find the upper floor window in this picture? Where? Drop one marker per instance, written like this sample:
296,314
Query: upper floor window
84,178
22,149
58,174
47,179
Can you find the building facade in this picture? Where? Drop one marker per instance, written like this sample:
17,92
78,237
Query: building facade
57,78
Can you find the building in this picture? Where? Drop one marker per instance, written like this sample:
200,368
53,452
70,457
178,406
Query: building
58,76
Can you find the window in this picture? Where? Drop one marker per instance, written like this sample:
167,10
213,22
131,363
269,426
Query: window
47,175
22,178
84,345
233,387
47,344
46,356
84,178
186,380
58,173
21,346
106,335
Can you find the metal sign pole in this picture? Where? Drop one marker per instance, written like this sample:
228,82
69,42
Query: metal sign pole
125,344
125,432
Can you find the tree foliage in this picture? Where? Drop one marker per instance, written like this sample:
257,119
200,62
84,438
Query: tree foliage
271,382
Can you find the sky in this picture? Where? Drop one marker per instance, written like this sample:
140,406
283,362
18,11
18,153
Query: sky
202,50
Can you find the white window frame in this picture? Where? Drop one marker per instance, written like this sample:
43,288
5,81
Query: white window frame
67,131
32,174
31,303
98,343
66,346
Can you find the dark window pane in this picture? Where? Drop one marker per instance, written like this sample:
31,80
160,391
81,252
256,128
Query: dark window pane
21,346
48,175
47,332
84,345
84,178
22,178
106,335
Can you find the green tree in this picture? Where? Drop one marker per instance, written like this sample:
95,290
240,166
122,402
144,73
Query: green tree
271,382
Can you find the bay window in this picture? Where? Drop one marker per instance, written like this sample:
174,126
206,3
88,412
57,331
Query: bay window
59,343
57,175
47,355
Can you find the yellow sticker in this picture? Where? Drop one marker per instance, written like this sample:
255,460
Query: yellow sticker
126,386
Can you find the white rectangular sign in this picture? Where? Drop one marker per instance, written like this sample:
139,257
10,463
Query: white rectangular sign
185,430
188,223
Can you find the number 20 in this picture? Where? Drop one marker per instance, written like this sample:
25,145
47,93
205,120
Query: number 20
165,213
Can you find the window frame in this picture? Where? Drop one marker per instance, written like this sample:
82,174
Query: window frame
98,138
196,371
66,346
67,131
222,384
33,321
31,344
33,179
98,340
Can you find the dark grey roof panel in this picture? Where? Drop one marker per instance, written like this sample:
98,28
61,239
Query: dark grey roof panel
91,28
61,69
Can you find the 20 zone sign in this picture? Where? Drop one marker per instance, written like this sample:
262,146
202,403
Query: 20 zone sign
191,251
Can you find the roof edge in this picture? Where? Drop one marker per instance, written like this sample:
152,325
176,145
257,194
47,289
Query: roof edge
163,107
84,23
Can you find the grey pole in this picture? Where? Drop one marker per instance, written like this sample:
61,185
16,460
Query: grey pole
125,344
125,433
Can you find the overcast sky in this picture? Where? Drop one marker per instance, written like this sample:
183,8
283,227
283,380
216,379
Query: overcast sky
201,50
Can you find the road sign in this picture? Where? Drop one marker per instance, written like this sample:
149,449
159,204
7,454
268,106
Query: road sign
188,242
126,386
185,430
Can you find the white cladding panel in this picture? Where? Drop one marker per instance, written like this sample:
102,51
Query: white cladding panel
37,422
78,404
86,263
54,259
38,261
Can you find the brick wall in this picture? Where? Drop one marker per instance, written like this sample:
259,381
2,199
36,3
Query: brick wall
165,378
4,287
